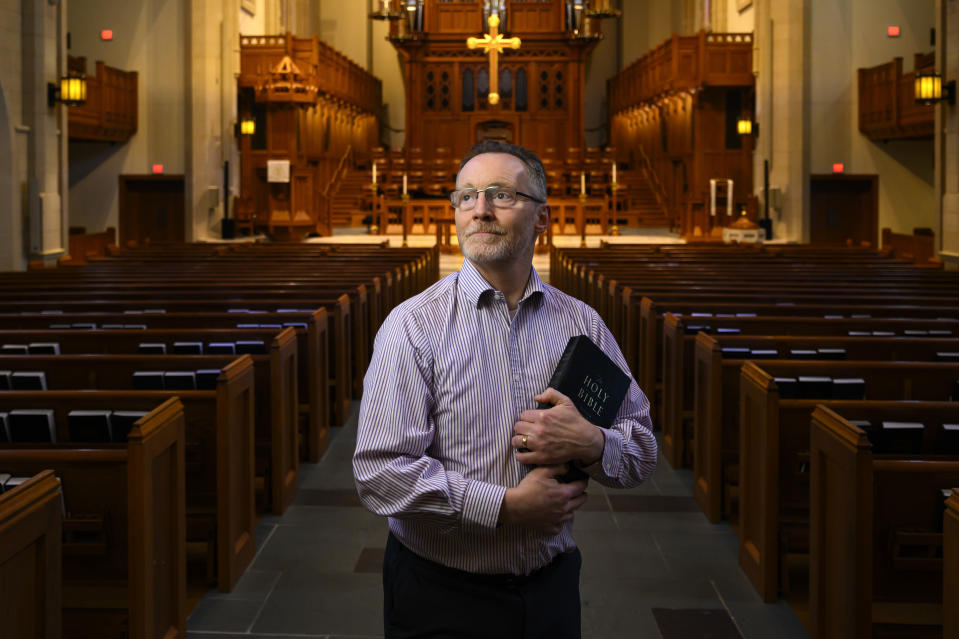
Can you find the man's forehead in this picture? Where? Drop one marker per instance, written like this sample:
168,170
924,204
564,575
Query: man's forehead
492,168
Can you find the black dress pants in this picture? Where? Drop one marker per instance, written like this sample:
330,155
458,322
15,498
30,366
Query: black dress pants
423,599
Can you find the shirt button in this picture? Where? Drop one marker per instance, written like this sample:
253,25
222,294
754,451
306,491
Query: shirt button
515,378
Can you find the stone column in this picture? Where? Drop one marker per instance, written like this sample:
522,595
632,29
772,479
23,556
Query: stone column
12,140
213,61
45,128
782,110
947,135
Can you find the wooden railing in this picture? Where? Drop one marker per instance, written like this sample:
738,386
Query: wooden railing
887,106
718,59
336,178
324,197
331,72
655,184
110,112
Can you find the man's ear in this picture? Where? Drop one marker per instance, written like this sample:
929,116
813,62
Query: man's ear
543,216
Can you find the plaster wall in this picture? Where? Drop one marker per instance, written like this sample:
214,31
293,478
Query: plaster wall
386,66
252,17
739,21
148,37
846,35
601,65
647,24
346,29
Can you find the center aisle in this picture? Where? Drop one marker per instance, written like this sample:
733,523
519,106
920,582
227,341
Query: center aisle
653,566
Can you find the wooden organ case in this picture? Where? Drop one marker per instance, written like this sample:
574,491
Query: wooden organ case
541,84
315,112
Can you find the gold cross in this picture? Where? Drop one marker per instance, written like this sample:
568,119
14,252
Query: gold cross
493,44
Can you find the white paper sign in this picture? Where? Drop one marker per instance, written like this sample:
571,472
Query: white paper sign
277,170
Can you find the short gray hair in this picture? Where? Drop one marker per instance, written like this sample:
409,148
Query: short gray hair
534,166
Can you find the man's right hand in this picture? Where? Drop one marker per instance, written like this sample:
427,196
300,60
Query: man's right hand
542,503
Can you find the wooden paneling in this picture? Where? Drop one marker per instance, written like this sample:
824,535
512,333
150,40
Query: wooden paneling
455,17
551,63
715,59
670,115
534,17
110,112
318,119
887,105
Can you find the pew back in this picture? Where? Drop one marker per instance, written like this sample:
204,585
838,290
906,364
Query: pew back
124,561
30,528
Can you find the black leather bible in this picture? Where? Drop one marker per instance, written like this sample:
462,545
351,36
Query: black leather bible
595,384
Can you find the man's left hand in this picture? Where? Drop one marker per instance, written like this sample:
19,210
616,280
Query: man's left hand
556,435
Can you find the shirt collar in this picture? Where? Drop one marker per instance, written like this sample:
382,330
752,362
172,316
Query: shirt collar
476,288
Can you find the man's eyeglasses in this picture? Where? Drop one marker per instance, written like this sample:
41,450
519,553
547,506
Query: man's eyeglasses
498,196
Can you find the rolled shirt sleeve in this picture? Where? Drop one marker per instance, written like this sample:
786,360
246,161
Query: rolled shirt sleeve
630,452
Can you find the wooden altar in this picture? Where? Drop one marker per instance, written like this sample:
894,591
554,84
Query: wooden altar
448,86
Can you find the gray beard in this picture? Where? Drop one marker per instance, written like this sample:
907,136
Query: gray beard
500,249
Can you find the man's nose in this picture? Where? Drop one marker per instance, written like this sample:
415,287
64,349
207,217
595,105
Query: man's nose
482,207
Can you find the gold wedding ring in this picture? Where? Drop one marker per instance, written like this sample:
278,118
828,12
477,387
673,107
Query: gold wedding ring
525,437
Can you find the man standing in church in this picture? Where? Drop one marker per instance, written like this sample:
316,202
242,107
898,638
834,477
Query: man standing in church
451,446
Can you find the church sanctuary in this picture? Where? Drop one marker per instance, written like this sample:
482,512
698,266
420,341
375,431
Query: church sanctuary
208,208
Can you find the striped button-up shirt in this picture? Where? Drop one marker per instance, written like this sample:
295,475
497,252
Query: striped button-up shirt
451,373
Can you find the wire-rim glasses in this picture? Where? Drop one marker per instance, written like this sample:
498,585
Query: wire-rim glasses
498,196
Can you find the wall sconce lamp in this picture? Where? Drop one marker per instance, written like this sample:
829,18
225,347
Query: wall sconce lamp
929,89
746,126
247,125
71,90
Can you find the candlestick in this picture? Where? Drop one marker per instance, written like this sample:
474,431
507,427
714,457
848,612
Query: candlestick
614,172
582,182
374,173
404,184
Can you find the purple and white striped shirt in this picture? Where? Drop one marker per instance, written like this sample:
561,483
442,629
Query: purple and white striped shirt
450,375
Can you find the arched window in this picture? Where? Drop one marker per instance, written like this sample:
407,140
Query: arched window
468,97
482,82
505,83
521,90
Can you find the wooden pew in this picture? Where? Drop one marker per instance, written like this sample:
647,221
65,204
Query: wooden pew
679,352
313,360
797,274
31,520
339,347
716,386
342,330
280,343
873,534
774,445
255,272
123,558
950,567
220,454
277,459
647,315
313,353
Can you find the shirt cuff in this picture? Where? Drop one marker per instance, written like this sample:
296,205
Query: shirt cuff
481,506
612,457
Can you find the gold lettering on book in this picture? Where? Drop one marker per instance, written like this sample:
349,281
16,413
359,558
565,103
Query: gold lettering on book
593,395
